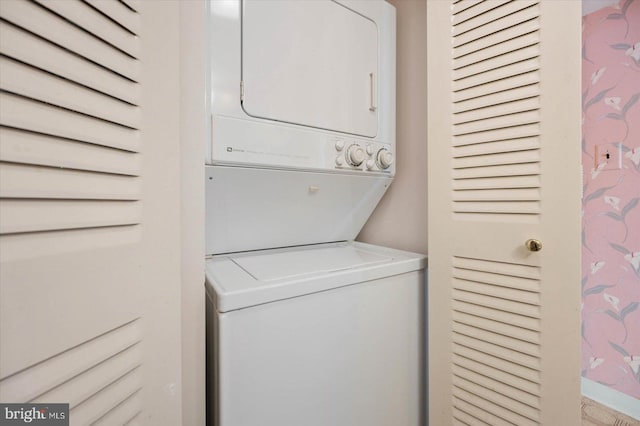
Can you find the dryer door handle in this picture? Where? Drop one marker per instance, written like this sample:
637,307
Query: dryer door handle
372,92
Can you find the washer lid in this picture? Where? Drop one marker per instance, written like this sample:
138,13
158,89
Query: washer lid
245,279
269,266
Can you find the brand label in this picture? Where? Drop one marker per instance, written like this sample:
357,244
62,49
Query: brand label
34,414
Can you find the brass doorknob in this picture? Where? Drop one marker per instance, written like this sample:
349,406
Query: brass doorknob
533,244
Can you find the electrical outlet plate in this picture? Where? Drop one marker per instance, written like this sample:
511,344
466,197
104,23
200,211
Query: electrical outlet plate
608,156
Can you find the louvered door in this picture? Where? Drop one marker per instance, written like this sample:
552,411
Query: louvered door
89,208
504,166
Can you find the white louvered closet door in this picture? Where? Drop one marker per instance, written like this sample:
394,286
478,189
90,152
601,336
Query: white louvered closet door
89,208
504,167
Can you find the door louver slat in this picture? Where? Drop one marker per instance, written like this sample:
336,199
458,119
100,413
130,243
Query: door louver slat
511,389
493,408
475,284
529,323
120,13
498,134
497,74
497,19
38,85
134,5
497,279
518,169
515,375
491,100
114,352
487,301
23,182
497,327
522,194
490,394
95,22
459,5
500,268
40,53
108,400
460,418
514,81
505,157
504,41
26,215
41,22
518,118
31,245
496,147
124,413
475,10
83,386
497,351
478,415
502,60
26,114
497,183
497,339
43,150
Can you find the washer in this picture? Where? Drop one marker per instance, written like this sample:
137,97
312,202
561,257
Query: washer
329,334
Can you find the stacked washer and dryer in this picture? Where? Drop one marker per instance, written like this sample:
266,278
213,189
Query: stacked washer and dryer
305,326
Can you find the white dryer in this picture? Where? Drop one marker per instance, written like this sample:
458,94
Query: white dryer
330,334
302,98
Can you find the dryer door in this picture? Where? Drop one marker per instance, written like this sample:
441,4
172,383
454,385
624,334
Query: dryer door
310,63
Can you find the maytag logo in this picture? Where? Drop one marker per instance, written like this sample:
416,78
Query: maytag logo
34,414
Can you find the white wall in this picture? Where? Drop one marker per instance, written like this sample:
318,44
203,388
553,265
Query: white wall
400,220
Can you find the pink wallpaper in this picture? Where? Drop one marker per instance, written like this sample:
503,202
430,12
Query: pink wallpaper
611,214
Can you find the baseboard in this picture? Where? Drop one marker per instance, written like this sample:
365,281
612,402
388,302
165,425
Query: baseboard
611,398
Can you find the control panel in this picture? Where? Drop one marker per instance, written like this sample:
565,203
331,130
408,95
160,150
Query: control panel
355,154
249,142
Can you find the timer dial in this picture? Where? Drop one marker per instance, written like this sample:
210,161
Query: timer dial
384,158
355,155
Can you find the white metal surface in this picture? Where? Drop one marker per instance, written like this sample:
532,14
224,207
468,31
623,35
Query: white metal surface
317,87
247,279
337,346
250,209
315,70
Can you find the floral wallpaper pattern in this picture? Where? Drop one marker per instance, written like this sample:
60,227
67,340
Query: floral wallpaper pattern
611,210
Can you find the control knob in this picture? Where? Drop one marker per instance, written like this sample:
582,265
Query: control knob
369,164
355,155
384,158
